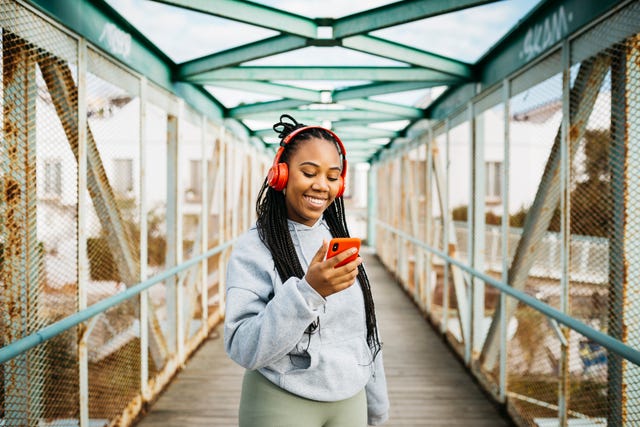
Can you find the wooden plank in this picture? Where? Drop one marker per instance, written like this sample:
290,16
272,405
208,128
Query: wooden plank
428,384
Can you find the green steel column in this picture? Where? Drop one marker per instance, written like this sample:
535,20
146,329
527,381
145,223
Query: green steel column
477,230
624,258
617,268
372,204
22,255
430,146
502,376
83,261
565,231
446,214
172,231
631,372
145,390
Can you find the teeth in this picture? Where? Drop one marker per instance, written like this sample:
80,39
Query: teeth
315,201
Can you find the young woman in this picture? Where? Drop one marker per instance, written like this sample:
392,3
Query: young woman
304,329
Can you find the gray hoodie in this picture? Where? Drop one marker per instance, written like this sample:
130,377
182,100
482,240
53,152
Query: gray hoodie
266,320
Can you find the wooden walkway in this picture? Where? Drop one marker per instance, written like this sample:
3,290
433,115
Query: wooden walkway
428,386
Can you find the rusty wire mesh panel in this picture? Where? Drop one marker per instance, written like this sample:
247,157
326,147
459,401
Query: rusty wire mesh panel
190,196
113,233
604,124
38,217
534,240
489,131
410,218
436,203
385,241
156,200
534,351
214,235
459,200
394,243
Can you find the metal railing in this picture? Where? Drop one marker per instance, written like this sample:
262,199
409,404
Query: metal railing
22,345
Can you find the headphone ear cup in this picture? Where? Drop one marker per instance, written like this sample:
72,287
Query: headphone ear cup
278,176
341,189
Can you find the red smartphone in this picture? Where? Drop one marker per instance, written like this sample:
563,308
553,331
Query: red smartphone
339,244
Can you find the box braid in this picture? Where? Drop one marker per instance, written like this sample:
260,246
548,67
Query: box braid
273,228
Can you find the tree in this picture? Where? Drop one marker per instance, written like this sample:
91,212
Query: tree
591,188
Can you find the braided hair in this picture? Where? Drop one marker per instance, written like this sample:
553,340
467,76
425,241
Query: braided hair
274,230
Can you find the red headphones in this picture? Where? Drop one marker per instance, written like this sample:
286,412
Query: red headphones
279,172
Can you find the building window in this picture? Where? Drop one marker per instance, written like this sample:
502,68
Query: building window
123,176
494,181
53,178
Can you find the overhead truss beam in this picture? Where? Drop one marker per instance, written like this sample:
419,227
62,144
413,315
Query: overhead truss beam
253,14
397,13
410,55
236,56
323,73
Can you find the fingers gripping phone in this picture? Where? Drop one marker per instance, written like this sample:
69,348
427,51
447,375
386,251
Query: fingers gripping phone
340,244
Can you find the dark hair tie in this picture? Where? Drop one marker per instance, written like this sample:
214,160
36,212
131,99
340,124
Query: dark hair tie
283,128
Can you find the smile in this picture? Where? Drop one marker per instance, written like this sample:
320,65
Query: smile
315,201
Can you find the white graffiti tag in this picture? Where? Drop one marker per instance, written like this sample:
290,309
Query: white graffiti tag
118,41
545,34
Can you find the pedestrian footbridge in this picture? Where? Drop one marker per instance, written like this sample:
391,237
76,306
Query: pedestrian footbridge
495,190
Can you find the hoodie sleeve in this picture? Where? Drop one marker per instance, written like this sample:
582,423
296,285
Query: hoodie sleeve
377,396
261,325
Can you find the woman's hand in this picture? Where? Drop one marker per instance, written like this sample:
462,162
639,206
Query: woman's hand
325,278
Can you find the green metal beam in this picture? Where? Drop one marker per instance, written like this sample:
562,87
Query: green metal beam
535,35
347,123
102,26
367,132
410,55
320,73
238,55
538,33
245,111
374,143
280,90
385,107
453,99
313,117
360,148
367,90
253,14
397,13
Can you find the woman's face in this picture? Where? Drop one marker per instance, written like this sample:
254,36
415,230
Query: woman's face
314,180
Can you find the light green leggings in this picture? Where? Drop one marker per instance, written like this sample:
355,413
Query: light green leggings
264,404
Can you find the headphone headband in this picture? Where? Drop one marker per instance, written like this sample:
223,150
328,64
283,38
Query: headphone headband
298,131
278,174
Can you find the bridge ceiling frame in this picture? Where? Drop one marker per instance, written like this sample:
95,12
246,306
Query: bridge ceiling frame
417,68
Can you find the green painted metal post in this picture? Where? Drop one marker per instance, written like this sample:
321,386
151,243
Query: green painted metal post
144,243
502,379
565,231
83,258
617,270
172,230
631,372
372,204
446,225
478,230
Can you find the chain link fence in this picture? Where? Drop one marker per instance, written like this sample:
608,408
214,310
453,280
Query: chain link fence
538,178
151,191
